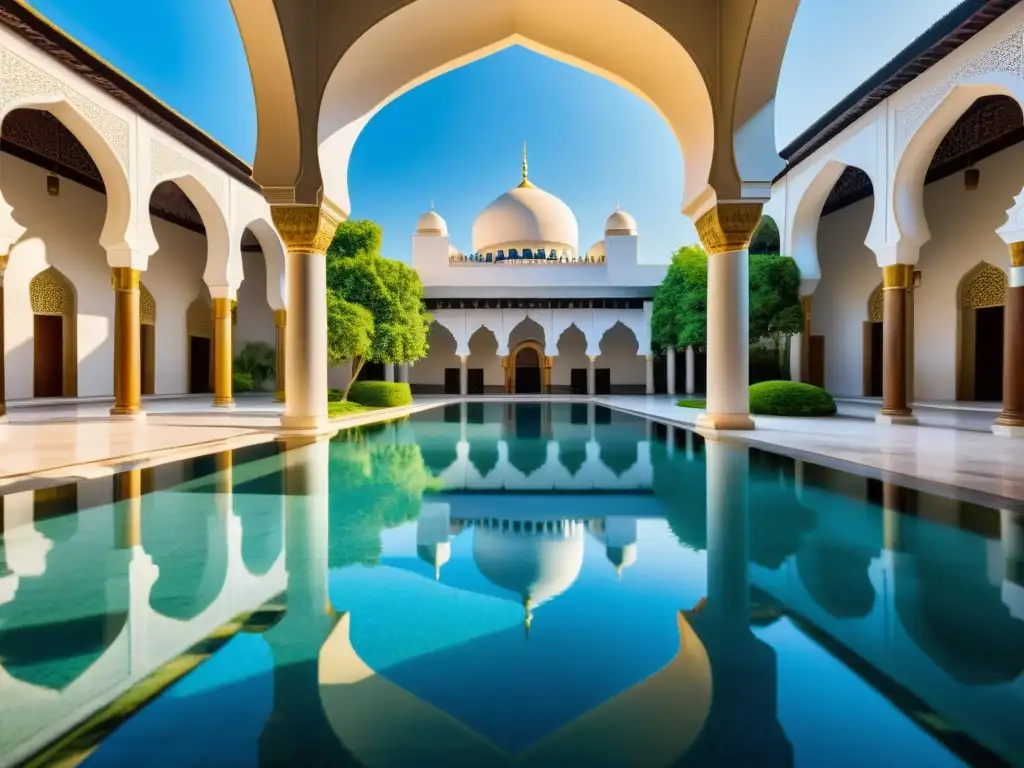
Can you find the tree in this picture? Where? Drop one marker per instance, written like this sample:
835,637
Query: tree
355,237
349,334
766,237
774,300
257,360
679,315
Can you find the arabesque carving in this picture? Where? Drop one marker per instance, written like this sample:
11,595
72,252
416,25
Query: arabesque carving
305,228
728,227
876,306
986,287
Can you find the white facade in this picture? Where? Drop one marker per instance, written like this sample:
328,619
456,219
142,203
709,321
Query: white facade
82,233
946,231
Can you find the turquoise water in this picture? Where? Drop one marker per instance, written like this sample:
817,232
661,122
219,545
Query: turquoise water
491,584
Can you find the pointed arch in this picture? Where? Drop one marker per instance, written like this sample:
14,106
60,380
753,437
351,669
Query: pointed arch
981,296
273,258
147,339
871,363
55,334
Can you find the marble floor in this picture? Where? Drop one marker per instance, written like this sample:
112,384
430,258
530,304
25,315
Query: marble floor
974,465
973,417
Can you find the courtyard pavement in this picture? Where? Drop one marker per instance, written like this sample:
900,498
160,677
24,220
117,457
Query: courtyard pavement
65,441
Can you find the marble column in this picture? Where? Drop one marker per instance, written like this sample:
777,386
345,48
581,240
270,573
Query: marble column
280,364
805,340
403,373
307,231
591,376
3,347
727,473
691,376
128,518
725,232
463,375
127,344
1011,421
897,283
389,372
650,375
670,370
223,357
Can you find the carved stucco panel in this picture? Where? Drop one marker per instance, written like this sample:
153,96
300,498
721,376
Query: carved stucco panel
165,162
21,80
1007,55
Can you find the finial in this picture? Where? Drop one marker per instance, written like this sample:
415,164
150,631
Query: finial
431,205
618,207
526,181
618,571
437,572
528,618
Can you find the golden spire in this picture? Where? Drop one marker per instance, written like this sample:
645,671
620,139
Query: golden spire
526,181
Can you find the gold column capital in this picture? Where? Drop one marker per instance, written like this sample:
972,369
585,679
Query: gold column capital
1016,255
221,309
728,227
3,261
897,277
125,279
280,318
305,228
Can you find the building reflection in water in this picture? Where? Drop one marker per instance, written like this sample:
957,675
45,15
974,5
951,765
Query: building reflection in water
922,595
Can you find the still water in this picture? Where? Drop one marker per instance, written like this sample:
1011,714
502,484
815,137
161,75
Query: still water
497,584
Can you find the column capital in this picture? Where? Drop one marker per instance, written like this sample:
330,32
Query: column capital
728,227
1016,254
280,318
305,228
897,277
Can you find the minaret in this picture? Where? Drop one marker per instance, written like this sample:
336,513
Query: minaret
528,614
526,181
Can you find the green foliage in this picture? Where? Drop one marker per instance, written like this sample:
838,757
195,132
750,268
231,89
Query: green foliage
343,408
380,394
782,398
766,237
349,330
389,290
242,382
354,237
765,365
679,314
774,297
790,398
257,360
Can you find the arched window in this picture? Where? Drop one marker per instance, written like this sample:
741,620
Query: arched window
513,253
552,254
501,256
490,257
55,335
527,253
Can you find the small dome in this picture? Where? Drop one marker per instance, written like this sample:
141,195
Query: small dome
435,555
620,223
431,223
596,251
453,250
621,557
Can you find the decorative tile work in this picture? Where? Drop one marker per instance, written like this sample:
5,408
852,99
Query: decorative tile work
50,293
20,80
199,319
147,306
1007,55
876,311
984,286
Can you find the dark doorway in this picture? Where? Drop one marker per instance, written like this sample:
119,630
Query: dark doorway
578,381
603,381
700,372
816,361
874,339
475,383
49,356
528,372
988,354
199,365
147,340
660,375
371,372
451,381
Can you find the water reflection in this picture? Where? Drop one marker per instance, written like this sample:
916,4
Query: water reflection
534,555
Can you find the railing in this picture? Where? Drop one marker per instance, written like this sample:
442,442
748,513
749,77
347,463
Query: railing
481,258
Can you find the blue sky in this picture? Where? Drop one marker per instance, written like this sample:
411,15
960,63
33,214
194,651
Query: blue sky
457,139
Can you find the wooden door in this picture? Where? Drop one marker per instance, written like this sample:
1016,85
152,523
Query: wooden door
199,379
451,381
147,339
603,381
578,381
48,380
475,381
816,362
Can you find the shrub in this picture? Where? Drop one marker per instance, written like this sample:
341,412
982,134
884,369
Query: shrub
242,382
380,394
334,395
258,361
790,398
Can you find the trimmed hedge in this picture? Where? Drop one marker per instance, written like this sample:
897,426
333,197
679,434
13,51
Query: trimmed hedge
242,382
790,398
782,398
380,394
334,395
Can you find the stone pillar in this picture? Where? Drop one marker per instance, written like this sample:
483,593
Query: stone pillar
223,357
3,347
805,340
389,372
591,376
650,375
670,370
280,323
727,468
725,232
306,232
691,376
1011,421
127,344
463,375
403,373
897,282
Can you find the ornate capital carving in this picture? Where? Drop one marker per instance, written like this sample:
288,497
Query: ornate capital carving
897,277
304,228
728,227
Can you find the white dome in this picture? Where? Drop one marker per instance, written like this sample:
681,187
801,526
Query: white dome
431,223
435,555
453,250
596,250
537,566
526,216
621,557
620,223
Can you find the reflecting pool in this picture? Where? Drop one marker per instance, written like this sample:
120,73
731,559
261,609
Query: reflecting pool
508,583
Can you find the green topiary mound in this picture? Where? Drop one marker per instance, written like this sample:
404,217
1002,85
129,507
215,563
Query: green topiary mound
380,394
790,398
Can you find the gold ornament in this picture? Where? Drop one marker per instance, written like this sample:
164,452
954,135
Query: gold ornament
728,227
304,228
